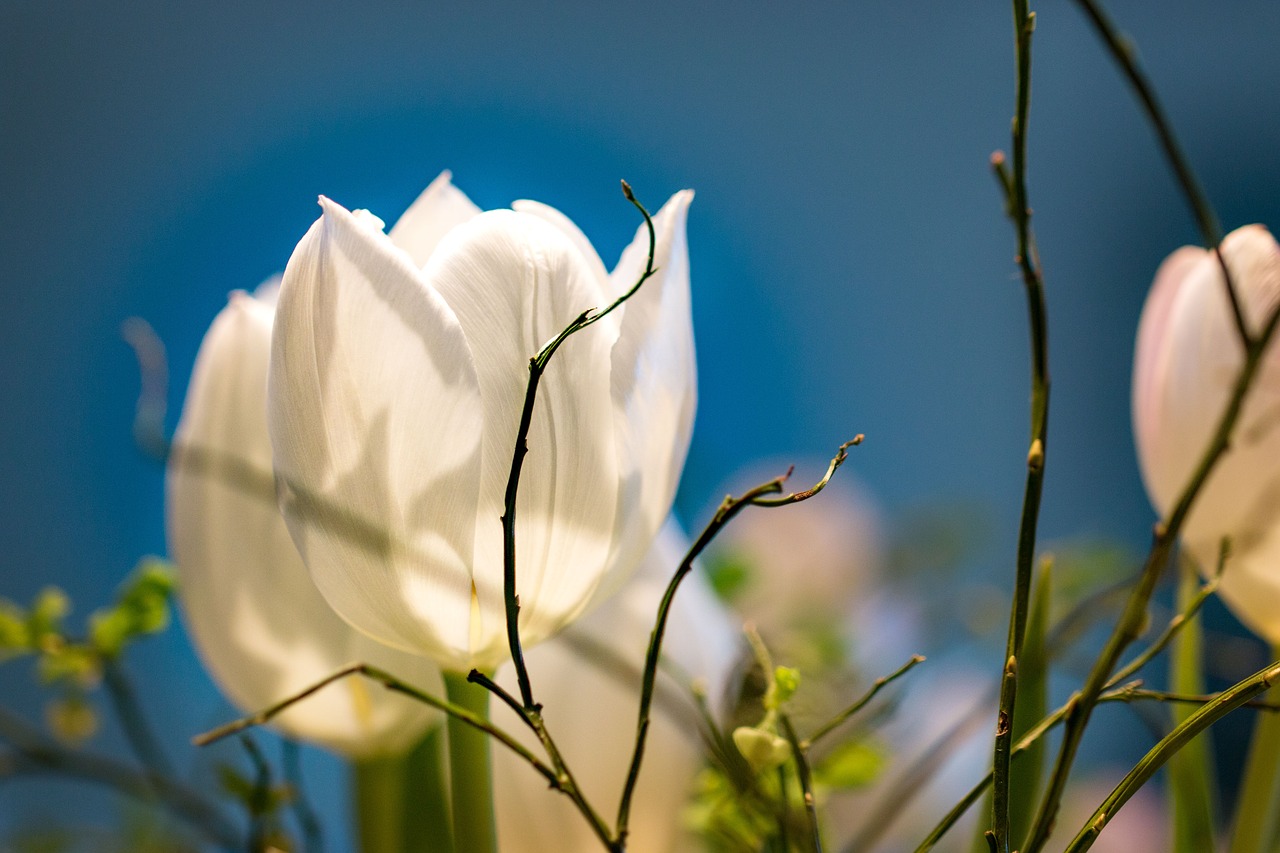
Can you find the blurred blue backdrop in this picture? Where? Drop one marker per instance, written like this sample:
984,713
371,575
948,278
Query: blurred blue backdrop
852,268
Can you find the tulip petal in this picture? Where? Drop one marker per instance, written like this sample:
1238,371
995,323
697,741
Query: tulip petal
1203,358
514,282
654,382
1162,475
375,417
238,564
1250,583
567,226
438,210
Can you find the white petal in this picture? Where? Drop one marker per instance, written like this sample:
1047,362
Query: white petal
654,383
1202,361
567,227
514,282
1250,583
588,679
441,208
1162,462
261,627
375,418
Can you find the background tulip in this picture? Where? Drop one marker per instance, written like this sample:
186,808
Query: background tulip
398,372
588,679
1187,360
262,629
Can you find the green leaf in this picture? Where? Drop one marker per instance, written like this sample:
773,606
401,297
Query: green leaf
44,620
1026,769
15,635
142,607
853,764
1191,769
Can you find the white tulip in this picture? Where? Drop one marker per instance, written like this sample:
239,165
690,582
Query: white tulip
262,629
588,680
398,373
1187,359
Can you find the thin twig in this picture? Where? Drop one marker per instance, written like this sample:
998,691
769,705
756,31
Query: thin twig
879,684
259,799
729,508
806,782
312,832
34,752
537,366
393,684
1124,693
1122,51
1015,182
1201,719
141,738
1176,624
153,369
784,810
1135,692
1128,628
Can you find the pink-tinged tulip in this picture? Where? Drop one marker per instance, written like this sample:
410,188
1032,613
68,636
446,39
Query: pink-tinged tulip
588,680
261,627
398,373
1187,360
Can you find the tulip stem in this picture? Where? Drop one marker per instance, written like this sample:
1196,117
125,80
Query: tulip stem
378,796
1122,51
879,684
730,507
470,770
798,755
465,715
1256,817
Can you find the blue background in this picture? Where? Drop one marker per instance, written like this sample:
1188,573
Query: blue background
852,270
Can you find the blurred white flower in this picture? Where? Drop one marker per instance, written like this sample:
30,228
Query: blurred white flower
588,679
260,625
1187,358
398,373
816,559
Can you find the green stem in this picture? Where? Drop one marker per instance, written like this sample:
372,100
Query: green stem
1209,713
470,770
379,803
425,821
1256,822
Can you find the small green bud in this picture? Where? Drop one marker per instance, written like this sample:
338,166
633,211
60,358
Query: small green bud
108,630
45,618
762,750
786,681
